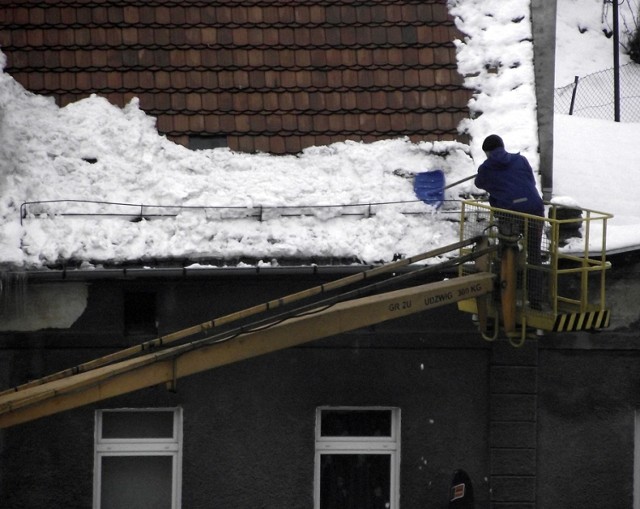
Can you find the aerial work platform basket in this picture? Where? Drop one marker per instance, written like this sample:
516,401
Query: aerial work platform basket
550,270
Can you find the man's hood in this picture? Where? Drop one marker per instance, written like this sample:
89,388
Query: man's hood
499,158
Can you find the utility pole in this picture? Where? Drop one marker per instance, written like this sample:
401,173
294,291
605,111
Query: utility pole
543,17
616,63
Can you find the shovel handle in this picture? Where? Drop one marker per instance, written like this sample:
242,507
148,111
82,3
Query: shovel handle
460,181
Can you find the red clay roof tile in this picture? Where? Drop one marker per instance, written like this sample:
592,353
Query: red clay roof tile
67,15
51,81
276,145
211,123
36,81
305,125
162,15
319,78
292,144
114,80
228,122
164,124
53,15
35,37
302,14
51,37
67,59
82,38
239,15
194,102
192,15
364,101
146,80
131,14
286,14
301,101
147,101
243,123
98,15
178,102
83,15
181,123
209,102
254,14
115,14
129,80
439,12
398,123
208,14
336,123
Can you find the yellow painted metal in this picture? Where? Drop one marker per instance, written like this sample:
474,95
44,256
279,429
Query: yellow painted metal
508,289
179,361
574,267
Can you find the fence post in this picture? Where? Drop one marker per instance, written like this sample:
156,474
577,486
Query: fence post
573,94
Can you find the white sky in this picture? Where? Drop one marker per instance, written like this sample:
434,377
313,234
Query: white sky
42,149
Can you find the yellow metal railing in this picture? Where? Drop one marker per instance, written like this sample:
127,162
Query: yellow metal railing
570,266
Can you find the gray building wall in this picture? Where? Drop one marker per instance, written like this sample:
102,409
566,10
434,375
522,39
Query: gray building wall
550,424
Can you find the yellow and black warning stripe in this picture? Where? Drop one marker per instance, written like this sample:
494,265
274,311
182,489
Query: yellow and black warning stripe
582,321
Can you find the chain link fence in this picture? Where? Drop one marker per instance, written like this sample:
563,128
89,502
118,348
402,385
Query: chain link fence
593,95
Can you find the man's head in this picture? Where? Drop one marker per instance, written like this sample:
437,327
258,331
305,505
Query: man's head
492,142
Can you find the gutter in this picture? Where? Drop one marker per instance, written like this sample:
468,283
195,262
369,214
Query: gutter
83,275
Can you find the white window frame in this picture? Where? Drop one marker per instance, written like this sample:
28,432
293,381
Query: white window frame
165,446
360,445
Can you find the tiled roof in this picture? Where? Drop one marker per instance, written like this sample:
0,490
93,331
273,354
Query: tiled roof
271,75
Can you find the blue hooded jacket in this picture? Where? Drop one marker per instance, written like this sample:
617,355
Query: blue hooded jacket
509,180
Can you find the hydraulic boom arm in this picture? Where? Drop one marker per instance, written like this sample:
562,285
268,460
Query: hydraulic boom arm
172,363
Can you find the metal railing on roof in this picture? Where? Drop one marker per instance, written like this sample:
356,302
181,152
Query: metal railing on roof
139,211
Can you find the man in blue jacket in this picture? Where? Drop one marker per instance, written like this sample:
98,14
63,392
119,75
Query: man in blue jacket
509,180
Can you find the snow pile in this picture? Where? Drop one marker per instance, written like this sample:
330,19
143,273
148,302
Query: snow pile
92,150
496,58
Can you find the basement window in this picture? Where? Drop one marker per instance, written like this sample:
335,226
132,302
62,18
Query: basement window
138,458
200,142
357,459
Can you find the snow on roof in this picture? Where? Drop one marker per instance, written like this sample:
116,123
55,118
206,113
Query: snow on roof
348,200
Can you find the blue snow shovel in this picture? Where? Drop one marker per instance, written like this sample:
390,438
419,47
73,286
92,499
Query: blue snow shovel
429,186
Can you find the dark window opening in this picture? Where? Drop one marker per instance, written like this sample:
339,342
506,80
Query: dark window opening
355,481
199,142
140,314
361,423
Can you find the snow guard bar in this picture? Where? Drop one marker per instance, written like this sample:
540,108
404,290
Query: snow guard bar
551,270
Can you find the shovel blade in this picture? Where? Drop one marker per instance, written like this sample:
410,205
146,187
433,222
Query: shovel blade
429,187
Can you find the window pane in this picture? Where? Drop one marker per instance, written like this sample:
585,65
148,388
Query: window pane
137,424
355,481
356,423
207,142
136,482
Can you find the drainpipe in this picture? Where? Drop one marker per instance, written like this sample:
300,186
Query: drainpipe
543,19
